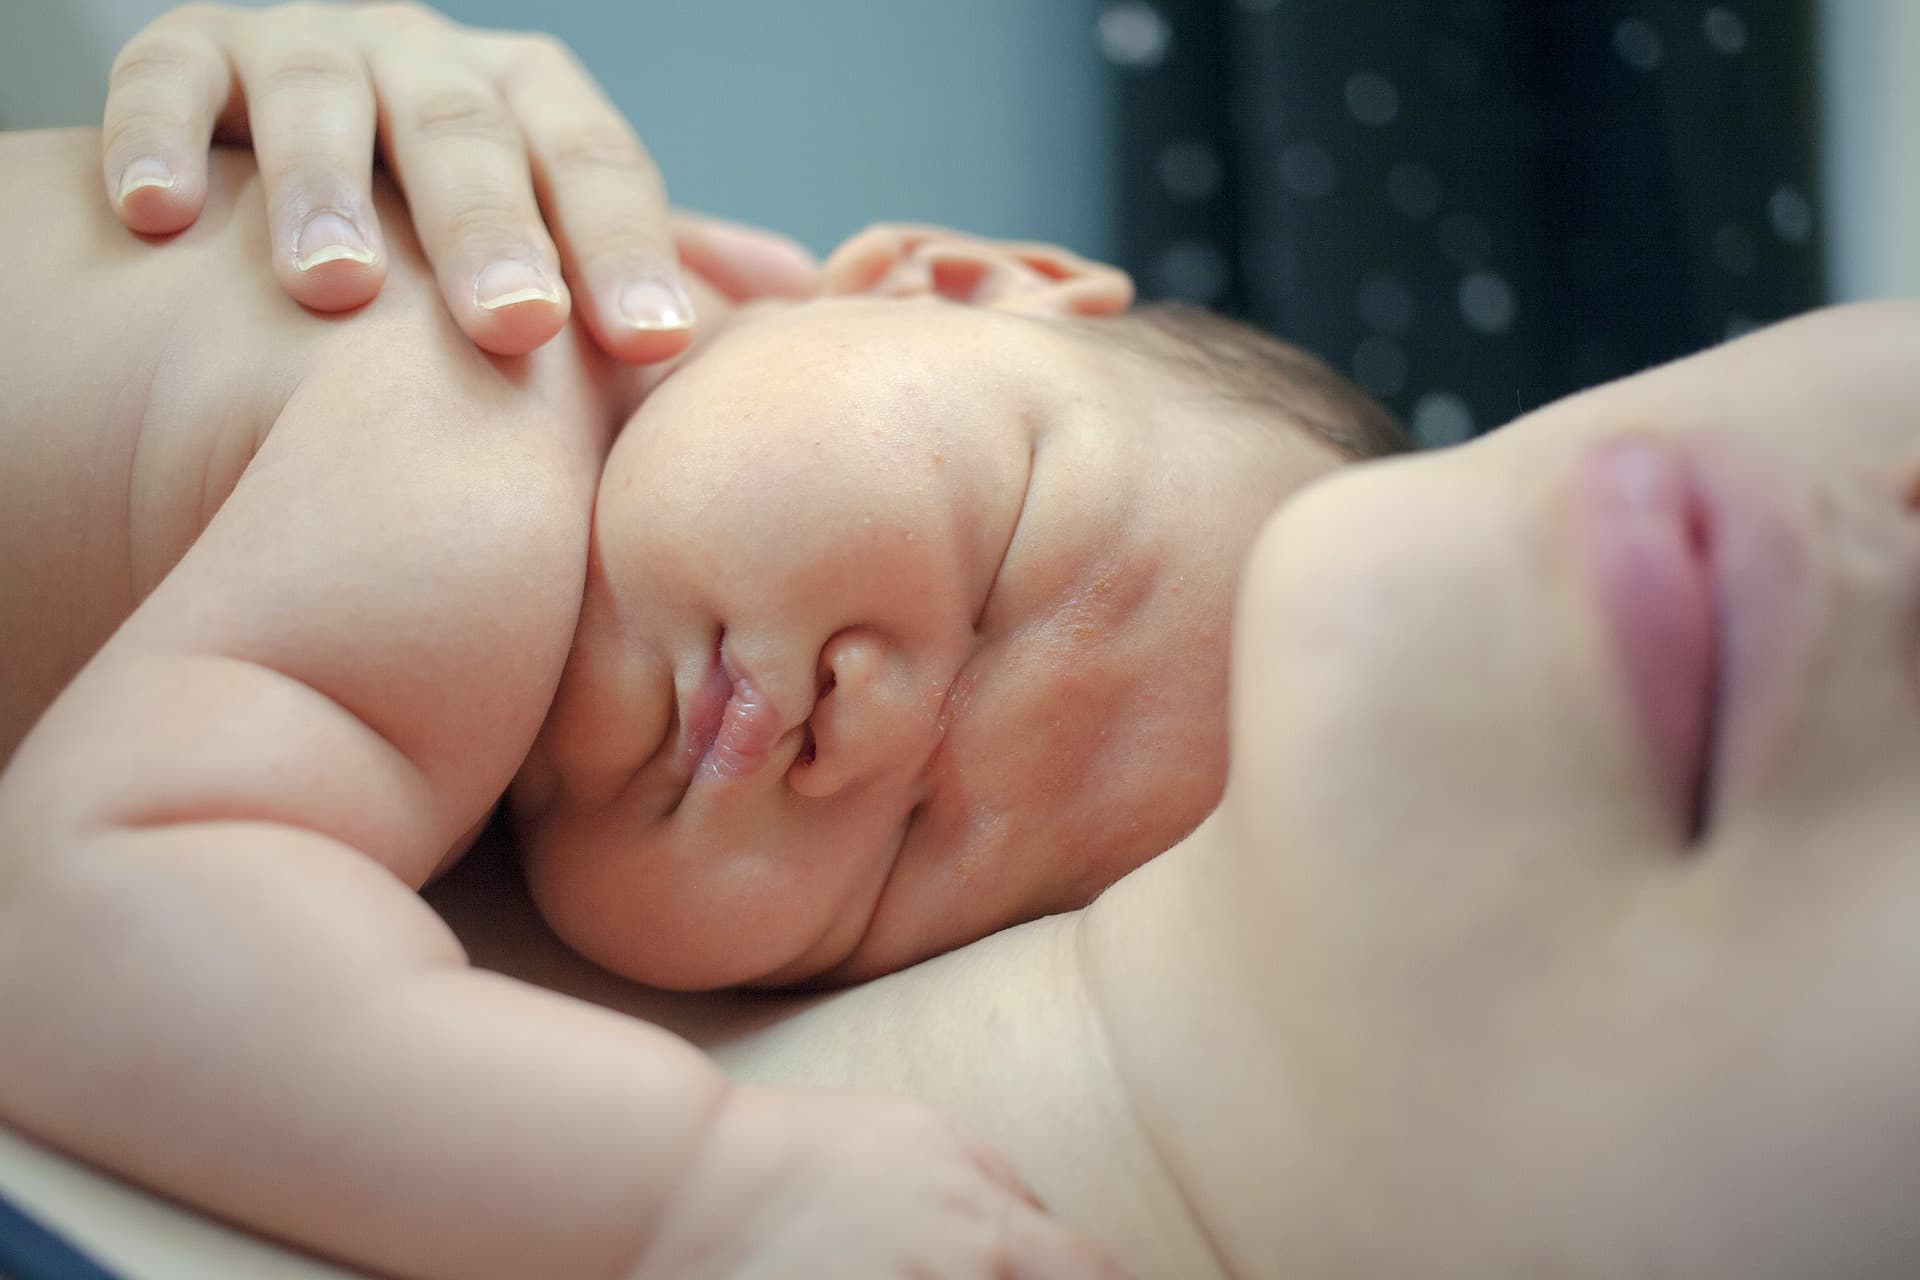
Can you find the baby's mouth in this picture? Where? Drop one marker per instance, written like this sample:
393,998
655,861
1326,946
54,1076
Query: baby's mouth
729,727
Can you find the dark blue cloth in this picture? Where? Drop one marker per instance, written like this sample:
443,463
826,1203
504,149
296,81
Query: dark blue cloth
1473,206
30,1251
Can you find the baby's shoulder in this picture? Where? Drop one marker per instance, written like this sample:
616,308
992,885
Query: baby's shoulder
382,434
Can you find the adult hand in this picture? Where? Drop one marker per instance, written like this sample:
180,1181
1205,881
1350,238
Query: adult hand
484,131
867,1187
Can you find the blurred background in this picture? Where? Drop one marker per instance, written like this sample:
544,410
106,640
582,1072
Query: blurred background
1470,206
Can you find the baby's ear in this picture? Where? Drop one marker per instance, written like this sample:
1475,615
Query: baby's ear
902,261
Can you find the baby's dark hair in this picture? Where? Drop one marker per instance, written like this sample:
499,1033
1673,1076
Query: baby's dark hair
1257,371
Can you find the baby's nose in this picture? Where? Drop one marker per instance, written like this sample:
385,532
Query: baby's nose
873,717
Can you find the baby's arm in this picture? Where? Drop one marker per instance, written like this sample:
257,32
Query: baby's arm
214,973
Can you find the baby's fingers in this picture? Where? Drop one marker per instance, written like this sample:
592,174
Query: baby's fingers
167,88
1038,1248
311,112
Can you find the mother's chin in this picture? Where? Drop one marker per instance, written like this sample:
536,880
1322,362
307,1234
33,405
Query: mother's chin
1506,1022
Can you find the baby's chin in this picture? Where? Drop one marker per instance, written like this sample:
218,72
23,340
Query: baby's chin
672,911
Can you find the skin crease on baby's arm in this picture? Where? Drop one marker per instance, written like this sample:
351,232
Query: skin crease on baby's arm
215,974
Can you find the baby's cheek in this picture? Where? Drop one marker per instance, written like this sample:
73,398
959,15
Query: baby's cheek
1152,764
1088,773
1057,724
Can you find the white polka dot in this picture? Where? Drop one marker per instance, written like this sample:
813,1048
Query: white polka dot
1725,30
1385,304
1380,365
1486,302
1372,98
1638,43
1441,418
1193,271
1413,189
1791,214
1464,239
1307,170
1134,35
1735,250
1188,169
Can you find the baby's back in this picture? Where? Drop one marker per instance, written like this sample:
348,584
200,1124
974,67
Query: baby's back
141,379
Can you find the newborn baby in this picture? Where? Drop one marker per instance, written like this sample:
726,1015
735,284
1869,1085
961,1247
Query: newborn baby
906,614
900,615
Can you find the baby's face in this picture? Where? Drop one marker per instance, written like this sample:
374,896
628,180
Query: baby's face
904,621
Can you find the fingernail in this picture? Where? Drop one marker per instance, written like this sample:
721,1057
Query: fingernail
330,237
147,171
511,281
656,304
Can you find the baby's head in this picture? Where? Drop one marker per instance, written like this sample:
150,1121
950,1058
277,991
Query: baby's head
907,613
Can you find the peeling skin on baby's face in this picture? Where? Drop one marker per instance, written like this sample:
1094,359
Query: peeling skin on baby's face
905,621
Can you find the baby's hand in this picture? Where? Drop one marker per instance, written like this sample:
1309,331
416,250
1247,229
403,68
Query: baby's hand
472,123
802,1184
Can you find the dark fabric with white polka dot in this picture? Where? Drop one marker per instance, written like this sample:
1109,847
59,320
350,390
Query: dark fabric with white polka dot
1472,206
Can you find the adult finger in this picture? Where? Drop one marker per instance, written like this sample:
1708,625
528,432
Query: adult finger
606,204
166,89
311,112
463,164
744,262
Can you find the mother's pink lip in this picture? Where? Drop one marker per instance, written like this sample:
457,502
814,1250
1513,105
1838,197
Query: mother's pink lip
1646,535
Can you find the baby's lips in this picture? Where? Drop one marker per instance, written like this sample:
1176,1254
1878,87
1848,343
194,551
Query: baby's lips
702,717
749,726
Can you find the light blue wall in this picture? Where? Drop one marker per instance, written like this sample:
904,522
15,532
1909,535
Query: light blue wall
813,116
819,116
